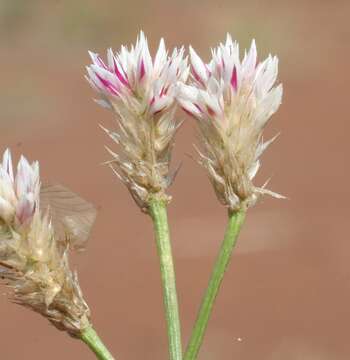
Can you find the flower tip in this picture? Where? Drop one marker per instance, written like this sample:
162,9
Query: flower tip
7,157
228,39
142,39
22,161
192,51
7,163
110,52
92,55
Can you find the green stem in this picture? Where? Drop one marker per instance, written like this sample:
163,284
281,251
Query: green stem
90,337
233,227
158,213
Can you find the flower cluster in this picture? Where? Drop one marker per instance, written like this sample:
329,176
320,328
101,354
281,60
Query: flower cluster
33,261
142,92
232,101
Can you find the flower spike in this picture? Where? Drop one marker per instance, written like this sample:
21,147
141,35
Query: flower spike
33,260
141,91
232,101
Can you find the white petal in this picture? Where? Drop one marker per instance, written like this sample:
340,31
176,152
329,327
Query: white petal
161,56
160,104
199,69
190,108
187,92
268,106
249,62
266,75
7,164
25,207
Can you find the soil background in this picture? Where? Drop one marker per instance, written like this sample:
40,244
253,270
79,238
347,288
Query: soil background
286,294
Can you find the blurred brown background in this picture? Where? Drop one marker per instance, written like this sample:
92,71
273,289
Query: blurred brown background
287,292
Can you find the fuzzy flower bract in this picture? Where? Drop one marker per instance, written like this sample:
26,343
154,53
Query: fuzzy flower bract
33,259
141,91
232,101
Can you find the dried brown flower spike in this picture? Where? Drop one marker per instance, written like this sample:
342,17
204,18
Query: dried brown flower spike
33,255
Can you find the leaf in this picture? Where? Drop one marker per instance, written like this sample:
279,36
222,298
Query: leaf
72,216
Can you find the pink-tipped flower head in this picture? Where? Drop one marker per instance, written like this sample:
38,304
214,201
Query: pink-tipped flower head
142,91
19,192
232,100
133,78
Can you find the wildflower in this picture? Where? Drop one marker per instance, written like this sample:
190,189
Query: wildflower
33,259
142,92
232,101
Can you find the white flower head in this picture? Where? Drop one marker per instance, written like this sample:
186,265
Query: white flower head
232,100
142,92
19,192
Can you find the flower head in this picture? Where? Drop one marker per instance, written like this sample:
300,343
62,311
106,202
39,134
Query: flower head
33,260
142,92
232,101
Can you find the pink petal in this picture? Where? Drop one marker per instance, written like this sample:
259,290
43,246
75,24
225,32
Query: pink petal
164,91
196,76
25,208
122,78
142,69
198,107
101,62
107,85
234,82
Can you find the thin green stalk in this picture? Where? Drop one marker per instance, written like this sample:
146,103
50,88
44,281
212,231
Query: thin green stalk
90,337
158,213
233,227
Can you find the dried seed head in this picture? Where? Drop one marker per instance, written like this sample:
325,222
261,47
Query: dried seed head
142,93
33,263
232,101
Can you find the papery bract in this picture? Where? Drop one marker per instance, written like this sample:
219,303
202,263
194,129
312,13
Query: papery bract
33,259
142,92
232,101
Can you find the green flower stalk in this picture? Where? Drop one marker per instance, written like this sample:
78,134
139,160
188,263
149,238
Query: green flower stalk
157,209
92,340
235,223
